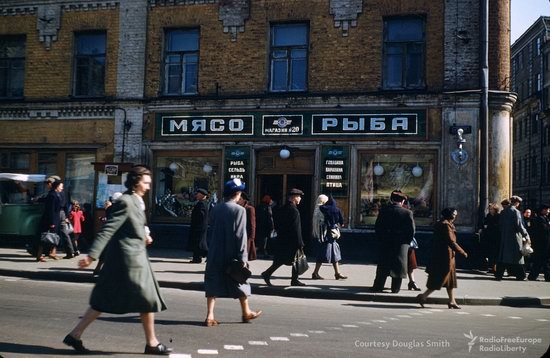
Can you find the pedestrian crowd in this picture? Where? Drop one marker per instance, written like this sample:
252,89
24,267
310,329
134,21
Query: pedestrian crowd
234,232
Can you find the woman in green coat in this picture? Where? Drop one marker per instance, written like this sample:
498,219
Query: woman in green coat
126,282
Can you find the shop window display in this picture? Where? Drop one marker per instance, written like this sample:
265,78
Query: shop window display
177,180
383,173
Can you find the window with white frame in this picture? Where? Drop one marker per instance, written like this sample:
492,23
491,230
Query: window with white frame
12,66
181,61
288,57
404,53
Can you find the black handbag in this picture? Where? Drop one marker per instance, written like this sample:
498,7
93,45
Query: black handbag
238,271
300,262
50,238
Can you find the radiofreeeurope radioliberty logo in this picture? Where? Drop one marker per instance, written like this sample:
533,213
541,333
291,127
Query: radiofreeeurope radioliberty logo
500,344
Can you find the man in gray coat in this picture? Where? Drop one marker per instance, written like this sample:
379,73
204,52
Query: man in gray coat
227,242
512,235
395,229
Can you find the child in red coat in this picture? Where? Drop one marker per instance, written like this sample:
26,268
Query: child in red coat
76,217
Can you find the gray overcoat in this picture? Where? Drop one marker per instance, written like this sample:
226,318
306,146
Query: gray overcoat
512,232
226,242
126,282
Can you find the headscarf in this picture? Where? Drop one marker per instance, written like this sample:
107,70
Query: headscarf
332,214
318,217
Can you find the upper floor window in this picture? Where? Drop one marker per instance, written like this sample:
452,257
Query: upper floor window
404,52
12,66
181,61
538,45
89,68
288,57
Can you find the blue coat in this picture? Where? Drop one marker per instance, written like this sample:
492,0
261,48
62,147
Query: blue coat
226,242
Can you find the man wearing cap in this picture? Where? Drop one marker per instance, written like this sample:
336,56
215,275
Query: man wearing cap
227,242
395,229
541,244
199,228
289,237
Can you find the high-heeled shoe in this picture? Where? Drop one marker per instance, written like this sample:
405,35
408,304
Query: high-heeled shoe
453,306
252,315
413,286
421,300
211,322
339,276
316,276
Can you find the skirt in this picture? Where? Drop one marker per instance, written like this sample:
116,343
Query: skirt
328,252
438,280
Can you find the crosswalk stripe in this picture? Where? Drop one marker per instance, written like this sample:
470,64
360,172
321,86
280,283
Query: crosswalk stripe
335,328
514,317
350,326
207,351
542,320
280,339
488,315
177,355
379,321
403,316
317,332
367,323
462,313
435,310
233,348
257,343
299,335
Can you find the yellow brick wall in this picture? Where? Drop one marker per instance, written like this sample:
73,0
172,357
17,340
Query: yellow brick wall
336,63
48,73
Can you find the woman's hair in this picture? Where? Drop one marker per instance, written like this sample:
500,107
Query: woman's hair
447,213
134,176
56,183
494,206
76,204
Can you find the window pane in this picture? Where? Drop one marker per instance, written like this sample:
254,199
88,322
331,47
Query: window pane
90,44
397,174
279,75
20,160
79,180
298,53
414,67
298,75
404,29
173,78
12,46
81,77
191,78
182,40
289,35
3,81
175,188
393,66
97,76
17,82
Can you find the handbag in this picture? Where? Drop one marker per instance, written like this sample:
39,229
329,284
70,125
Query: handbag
300,262
70,228
238,271
334,233
526,249
414,243
50,238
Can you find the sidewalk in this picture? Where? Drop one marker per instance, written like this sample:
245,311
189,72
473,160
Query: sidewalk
173,270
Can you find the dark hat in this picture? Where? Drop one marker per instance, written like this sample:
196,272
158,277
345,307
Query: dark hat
295,191
232,186
202,191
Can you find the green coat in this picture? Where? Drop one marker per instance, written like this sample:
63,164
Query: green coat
126,282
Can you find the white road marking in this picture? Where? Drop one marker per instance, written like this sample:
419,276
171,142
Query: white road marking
233,348
11,280
391,318
416,313
257,343
367,323
335,328
280,339
379,321
435,310
350,326
514,317
179,356
427,312
542,320
298,335
462,312
403,316
317,332
488,315
207,351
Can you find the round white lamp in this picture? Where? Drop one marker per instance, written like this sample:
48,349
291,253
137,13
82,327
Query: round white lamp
378,170
173,166
284,153
207,168
417,171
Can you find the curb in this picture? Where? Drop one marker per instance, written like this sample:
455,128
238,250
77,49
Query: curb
298,292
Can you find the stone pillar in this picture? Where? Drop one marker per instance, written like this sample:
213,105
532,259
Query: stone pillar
500,145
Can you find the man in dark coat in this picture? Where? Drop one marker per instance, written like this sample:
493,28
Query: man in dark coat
395,229
540,240
199,228
289,237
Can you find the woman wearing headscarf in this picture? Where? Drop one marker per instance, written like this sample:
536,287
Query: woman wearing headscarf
442,269
325,217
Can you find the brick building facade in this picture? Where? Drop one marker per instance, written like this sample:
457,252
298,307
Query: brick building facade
344,97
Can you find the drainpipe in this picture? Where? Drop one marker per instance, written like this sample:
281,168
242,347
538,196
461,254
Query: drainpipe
484,112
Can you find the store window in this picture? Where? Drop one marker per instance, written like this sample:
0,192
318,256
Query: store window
176,179
181,61
383,173
288,57
89,64
79,178
404,47
12,66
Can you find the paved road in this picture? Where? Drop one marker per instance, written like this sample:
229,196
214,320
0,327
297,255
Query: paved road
35,315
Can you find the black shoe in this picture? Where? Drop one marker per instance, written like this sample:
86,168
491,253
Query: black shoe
67,257
376,289
76,344
296,283
316,276
395,290
266,279
413,286
160,350
195,261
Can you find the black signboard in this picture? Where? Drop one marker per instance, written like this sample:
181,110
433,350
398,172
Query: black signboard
237,164
212,125
282,125
335,170
364,124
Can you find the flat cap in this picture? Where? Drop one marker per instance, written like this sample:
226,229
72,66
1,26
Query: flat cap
295,191
202,191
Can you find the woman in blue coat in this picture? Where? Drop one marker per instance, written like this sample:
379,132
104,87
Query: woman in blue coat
126,282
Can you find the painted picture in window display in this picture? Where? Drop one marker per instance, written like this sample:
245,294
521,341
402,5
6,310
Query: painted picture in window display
179,180
383,173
